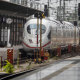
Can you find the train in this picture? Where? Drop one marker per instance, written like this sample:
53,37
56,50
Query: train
54,34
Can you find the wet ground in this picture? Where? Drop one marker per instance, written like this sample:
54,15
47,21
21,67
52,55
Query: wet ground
68,69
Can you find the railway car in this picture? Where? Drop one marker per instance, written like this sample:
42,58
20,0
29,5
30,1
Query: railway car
54,34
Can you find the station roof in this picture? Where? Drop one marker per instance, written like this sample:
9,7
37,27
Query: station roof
15,9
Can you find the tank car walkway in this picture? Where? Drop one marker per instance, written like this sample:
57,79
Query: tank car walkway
60,70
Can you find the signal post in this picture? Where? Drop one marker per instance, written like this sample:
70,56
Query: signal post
39,16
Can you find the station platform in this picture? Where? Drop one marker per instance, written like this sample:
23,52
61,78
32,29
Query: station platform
61,70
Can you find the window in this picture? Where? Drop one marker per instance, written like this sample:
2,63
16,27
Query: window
49,35
59,31
54,32
32,29
71,33
28,29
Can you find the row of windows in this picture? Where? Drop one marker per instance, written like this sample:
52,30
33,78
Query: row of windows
67,28
64,33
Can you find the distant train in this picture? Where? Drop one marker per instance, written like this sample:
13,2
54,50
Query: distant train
54,34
